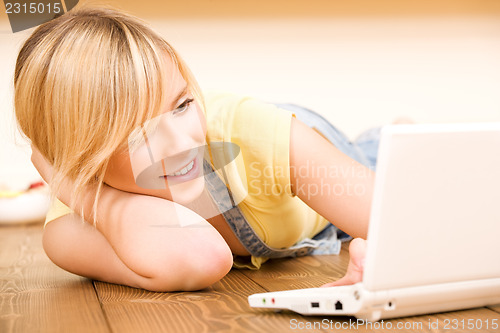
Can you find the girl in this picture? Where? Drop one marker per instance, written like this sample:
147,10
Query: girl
169,188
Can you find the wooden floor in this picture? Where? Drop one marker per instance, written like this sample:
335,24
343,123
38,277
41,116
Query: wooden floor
37,296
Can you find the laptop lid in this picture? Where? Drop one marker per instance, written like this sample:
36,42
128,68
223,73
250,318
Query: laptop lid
435,214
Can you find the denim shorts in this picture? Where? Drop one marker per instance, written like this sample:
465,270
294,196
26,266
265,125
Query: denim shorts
328,241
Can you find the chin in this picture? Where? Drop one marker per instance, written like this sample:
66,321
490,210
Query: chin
187,192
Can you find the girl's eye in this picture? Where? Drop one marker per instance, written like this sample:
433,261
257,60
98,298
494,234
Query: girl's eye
184,106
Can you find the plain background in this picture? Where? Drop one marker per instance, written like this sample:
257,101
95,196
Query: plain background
360,63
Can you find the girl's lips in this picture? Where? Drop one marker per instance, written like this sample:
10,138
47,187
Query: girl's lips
191,174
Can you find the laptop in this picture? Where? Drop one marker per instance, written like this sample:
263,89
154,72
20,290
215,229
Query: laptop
434,233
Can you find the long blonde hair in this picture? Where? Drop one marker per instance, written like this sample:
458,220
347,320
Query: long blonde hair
83,82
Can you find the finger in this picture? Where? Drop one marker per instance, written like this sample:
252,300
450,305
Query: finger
354,274
357,253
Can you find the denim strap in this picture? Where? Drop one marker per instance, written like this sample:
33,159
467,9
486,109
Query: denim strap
325,242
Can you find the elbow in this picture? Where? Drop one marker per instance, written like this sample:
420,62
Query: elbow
206,272
191,272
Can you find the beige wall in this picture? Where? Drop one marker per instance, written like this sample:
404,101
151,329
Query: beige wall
358,62
303,8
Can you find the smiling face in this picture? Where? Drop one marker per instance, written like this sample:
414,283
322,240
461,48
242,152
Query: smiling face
165,155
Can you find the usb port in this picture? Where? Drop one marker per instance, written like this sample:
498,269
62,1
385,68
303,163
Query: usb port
314,304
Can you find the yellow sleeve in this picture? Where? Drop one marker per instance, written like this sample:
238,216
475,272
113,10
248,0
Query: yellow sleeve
262,131
57,209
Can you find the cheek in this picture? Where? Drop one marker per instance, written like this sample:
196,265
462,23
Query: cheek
119,172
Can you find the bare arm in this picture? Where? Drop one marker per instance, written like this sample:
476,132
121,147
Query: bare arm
338,201
343,193
162,245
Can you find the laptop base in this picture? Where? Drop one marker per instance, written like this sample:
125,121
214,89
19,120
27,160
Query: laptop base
354,300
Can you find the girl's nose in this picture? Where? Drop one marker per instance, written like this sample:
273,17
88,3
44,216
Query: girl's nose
171,139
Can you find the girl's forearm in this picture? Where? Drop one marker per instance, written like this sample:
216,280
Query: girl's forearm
170,245
345,196
161,240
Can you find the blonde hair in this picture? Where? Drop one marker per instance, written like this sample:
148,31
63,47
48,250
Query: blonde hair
83,82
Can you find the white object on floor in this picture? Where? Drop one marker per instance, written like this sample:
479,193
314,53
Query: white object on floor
24,207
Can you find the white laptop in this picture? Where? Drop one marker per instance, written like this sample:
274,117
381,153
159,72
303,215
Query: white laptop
434,234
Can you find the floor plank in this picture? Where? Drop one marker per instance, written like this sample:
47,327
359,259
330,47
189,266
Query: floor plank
495,308
36,295
302,272
221,308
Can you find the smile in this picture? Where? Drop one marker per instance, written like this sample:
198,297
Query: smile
183,171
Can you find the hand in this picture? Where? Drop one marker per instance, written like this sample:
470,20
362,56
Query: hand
354,274
44,168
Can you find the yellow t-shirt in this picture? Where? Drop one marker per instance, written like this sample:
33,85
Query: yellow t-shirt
260,176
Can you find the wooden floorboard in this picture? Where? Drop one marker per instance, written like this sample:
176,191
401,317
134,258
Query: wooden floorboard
37,296
221,308
495,308
224,306
302,272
